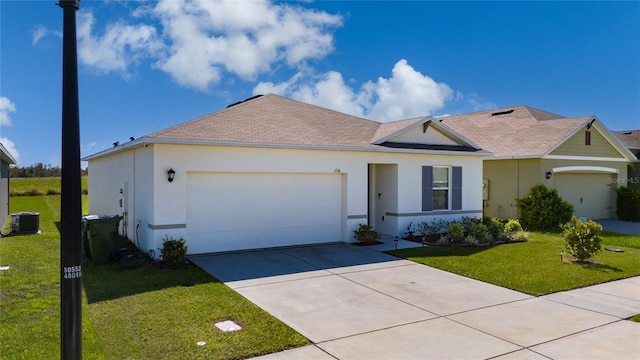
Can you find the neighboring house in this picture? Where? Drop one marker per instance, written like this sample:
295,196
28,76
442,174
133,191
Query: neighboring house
5,160
631,139
271,171
579,157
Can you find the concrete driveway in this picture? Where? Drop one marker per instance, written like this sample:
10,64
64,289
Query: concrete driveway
357,303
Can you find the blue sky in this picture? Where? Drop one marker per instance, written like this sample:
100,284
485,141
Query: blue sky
145,66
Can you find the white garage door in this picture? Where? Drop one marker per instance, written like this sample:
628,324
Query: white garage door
237,211
591,194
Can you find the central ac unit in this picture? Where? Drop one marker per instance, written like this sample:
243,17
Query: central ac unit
25,223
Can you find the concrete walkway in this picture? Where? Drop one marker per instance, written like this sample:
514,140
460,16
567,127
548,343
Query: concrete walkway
357,303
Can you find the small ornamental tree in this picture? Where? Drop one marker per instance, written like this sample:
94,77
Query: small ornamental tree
581,239
543,208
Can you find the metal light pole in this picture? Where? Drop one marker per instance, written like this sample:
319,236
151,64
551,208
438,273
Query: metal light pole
71,198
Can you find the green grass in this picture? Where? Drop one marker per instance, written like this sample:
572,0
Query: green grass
533,267
40,186
147,313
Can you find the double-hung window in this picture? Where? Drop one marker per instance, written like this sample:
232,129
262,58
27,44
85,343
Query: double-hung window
441,188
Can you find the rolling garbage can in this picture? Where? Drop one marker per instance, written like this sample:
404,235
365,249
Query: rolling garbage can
85,239
102,237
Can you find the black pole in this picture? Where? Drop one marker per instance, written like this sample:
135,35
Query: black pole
71,198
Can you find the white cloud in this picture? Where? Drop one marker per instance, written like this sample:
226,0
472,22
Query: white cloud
11,148
39,31
407,93
118,47
246,38
6,107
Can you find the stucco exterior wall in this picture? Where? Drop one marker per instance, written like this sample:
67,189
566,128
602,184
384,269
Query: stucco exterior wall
4,192
120,185
160,207
508,181
513,178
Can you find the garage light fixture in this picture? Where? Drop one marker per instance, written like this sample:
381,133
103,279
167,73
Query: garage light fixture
549,173
171,174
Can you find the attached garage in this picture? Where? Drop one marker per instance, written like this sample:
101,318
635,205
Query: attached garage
237,211
591,193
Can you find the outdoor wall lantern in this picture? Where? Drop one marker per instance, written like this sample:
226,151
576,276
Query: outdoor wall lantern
171,174
549,175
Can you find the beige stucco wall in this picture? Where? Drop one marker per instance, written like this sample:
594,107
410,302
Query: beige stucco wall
509,180
512,179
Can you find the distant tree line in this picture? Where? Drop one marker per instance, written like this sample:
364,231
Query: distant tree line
38,170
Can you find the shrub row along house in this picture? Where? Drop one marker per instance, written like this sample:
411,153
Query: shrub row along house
271,171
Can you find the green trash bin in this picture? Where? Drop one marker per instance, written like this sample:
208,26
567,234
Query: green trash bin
103,237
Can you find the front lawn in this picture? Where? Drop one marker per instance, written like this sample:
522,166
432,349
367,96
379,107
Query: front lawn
147,313
533,267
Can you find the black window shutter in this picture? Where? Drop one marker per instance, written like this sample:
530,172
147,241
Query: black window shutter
427,188
456,196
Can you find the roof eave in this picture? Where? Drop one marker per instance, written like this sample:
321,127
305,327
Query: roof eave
373,148
118,148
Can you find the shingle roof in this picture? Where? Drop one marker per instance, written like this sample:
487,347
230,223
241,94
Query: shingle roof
514,131
630,138
273,119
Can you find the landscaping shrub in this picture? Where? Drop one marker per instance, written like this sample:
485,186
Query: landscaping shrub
481,233
471,240
173,251
456,232
581,239
543,208
366,234
469,223
495,226
513,231
444,240
628,204
433,227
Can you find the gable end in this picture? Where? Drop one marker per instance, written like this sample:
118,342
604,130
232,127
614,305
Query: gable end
587,142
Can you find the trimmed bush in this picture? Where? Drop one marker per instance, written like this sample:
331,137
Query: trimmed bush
365,234
173,251
456,232
481,233
513,231
543,209
581,239
495,226
628,204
